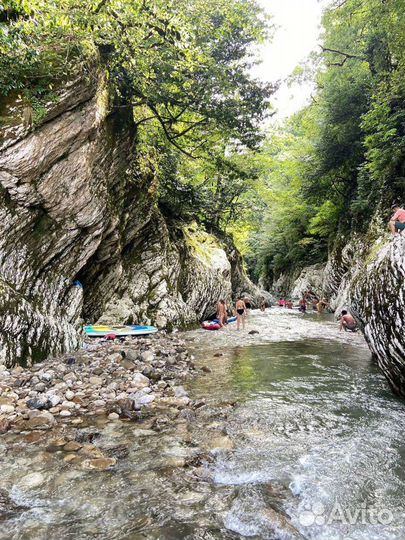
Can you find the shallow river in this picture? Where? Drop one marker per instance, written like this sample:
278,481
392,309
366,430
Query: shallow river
317,450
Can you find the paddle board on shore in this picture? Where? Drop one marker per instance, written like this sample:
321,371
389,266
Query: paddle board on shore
104,330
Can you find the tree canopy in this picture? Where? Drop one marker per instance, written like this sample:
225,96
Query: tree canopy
185,64
341,162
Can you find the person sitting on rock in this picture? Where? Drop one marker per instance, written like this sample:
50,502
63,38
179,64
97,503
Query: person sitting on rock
289,304
397,221
222,314
347,322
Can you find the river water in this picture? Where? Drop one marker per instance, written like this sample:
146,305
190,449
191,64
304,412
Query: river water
311,445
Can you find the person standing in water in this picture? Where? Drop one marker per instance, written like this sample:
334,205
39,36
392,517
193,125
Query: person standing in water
263,305
302,305
248,305
222,314
322,305
240,313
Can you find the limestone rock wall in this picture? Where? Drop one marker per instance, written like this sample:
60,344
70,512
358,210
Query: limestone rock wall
367,276
172,277
73,206
311,277
377,298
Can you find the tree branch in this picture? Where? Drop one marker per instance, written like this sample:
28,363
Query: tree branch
194,125
99,7
166,132
346,56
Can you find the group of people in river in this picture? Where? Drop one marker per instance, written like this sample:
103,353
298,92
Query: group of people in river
244,304
242,307
309,300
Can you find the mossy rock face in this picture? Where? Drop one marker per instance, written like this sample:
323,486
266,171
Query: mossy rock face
367,276
77,206
65,187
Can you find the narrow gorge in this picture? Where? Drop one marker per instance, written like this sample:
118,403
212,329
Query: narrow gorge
77,208
202,270
367,277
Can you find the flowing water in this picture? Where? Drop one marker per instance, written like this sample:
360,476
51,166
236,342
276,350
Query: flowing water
318,450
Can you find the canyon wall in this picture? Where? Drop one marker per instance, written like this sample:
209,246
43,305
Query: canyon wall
81,235
367,276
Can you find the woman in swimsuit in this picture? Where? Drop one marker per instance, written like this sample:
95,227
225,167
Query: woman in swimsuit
240,313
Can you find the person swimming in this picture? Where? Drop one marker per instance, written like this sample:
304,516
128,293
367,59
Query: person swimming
322,305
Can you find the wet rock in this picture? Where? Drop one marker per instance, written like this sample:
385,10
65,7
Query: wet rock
43,420
33,437
4,425
31,481
120,451
72,446
221,442
99,464
72,458
91,451
56,445
8,508
206,369
253,332
83,436
143,432
281,525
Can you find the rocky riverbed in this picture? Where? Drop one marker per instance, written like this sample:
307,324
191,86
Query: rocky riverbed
114,414
130,379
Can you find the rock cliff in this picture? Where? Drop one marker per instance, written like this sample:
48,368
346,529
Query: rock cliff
367,276
74,207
